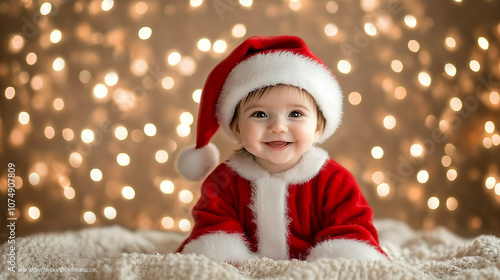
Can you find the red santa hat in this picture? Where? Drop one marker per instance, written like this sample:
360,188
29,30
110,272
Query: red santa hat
258,62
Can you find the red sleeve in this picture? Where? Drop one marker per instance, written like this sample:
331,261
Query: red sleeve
215,211
345,213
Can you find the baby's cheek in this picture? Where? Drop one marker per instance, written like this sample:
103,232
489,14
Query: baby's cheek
306,132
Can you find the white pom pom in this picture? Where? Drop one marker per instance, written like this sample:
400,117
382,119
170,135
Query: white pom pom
195,164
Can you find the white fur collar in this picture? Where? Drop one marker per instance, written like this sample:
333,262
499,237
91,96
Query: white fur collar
308,167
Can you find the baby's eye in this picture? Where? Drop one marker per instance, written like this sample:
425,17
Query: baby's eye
295,114
259,114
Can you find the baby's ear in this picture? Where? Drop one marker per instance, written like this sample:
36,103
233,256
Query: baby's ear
236,130
319,131
318,134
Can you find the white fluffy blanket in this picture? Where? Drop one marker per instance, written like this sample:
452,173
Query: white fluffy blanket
117,253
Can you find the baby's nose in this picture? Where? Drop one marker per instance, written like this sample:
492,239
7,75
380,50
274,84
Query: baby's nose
278,126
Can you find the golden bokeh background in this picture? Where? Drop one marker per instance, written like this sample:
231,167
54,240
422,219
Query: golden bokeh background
98,97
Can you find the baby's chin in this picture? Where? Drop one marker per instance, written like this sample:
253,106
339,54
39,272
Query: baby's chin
277,165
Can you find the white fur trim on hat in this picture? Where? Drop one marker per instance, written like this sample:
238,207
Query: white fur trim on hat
282,67
345,248
195,164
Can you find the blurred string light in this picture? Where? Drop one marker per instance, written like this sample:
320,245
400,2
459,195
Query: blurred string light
355,98
204,45
483,43
10,92
450,69
96,175
94,107
433,203
246,3
474,65
174,58
451,174
145,33
239,30
344,66
24,118
150,129
111,79
422,176
184,225
58,64
167,222
87,135
69,193
195,3
123,159
186,196
295,4
58,104
49,132
167,187
331,29
450,42
413,46
397,66
55,36
161,156
424,78
383,190
121,133
370,29
34,178
45,8
196,95
410,21
389,122
489,127
128,192
110,213
456,104
34,213
451,203
107,5
377,152
220,46
416,150
89,217
167,83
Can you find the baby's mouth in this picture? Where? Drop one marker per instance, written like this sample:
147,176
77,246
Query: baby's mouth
278,144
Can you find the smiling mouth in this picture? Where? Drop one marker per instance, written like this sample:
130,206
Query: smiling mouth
278,144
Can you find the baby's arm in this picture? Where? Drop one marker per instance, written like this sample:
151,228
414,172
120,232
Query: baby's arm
347,226
217,233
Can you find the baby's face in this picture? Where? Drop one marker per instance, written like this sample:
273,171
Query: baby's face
278,128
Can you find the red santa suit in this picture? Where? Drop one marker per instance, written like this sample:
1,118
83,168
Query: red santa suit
311,211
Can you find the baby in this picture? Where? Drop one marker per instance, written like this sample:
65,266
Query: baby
279,196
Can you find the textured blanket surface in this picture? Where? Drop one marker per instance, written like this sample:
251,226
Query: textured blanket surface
118,253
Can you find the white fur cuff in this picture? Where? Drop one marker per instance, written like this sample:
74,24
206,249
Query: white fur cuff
220,247
345,248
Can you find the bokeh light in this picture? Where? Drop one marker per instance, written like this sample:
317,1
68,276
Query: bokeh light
128,192
96,175
89,217
110,213
167,187
34,213
433,203
184,225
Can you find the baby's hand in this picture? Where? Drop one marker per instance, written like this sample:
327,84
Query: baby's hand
235,264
